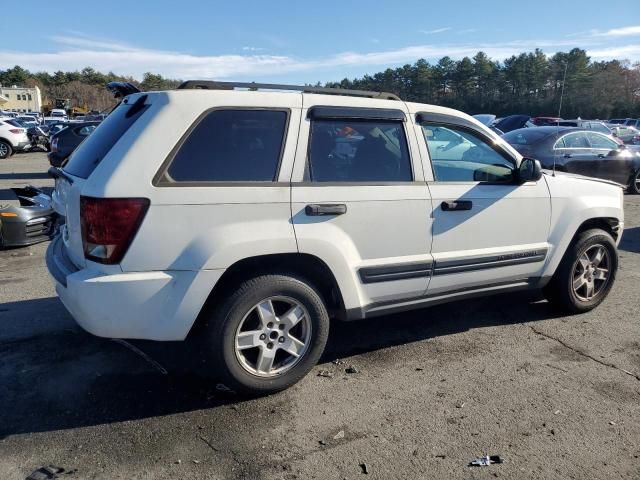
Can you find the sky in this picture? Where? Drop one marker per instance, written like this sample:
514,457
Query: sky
307,42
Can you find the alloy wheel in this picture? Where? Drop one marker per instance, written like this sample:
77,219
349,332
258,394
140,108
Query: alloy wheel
4,150
273,336
591,272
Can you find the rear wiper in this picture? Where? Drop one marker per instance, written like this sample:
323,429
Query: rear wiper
55,172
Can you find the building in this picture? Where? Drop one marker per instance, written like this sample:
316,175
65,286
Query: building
20,99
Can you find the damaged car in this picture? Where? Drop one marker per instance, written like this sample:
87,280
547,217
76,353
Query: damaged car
26,217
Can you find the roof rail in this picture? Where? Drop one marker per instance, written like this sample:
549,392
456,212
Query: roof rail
213,85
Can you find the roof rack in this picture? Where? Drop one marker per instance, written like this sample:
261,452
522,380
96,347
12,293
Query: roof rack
213,85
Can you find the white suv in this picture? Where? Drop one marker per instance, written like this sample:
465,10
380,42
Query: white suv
13,137
247,216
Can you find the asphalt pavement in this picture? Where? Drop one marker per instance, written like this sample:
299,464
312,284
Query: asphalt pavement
555,397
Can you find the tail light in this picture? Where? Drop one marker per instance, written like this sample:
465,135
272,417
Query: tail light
16,130
109,226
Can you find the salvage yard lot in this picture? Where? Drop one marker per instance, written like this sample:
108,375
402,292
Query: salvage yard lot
555,397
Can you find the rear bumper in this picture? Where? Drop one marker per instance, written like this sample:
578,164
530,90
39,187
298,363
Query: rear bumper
143,305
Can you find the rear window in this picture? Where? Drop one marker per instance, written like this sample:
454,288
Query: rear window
526,136
90,153
231,146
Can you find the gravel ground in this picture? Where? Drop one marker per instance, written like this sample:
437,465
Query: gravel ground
555,397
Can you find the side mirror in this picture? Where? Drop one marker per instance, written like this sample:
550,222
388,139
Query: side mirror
530,170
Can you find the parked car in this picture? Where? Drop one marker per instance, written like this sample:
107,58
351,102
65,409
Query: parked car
13,137
581,151
596,125
513,122
629,135
545,121
488,120
65,141
26,217
249,227
617,121
632,122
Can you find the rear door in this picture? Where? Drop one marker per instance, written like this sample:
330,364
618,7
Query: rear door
576,154
359,200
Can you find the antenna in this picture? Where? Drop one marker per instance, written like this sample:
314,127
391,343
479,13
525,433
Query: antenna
564,79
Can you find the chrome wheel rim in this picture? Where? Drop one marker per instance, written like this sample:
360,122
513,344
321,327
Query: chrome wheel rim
636,181
591,272
273,336
3,150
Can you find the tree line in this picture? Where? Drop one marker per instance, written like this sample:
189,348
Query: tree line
529,83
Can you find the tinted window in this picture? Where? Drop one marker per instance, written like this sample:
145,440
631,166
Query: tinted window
358,151
231,146
526,136
600,141
90,153
573,140
457,155
599,127
86,130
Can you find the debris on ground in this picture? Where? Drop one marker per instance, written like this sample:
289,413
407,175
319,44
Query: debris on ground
325,373
351,369
612,423
339,435
196,461
45,473
322,442
337,361
460,404
419,369
557,412
365,468
178,462
485,461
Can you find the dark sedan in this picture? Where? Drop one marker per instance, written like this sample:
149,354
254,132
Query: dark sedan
580,151
67,140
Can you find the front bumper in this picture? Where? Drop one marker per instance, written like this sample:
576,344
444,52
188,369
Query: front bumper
27,220
160,305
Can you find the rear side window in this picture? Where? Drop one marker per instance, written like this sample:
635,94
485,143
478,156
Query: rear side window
90,153
231,146
358,151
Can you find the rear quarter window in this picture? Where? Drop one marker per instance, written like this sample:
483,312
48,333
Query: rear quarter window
84,160
234,145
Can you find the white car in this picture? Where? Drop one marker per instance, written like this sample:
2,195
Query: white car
13,137
248,218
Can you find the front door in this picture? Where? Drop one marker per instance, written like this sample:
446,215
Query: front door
489,230
614,163
359,200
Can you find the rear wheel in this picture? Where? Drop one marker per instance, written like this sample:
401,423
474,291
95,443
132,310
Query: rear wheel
634,187
268,334
5,149
585,274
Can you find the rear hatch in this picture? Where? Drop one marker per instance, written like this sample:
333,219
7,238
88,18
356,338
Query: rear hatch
71,178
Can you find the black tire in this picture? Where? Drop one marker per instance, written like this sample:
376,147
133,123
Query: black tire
224,318
634,186
5,149
560,291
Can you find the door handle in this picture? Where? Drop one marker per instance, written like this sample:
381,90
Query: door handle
567,155
319,209
601,155
456,205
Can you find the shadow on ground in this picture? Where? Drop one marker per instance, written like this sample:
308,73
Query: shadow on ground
68,378
630,240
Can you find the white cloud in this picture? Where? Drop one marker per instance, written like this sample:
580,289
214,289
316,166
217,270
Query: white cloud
618,32
437,30
76,51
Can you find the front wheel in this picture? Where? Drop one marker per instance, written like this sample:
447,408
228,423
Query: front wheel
268,334
586,273
634,187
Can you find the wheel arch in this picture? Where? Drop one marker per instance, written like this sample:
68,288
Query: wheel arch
303,265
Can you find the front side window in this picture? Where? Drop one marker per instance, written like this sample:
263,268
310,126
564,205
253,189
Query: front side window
458,155
573,140
358,151
601,142
231,146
